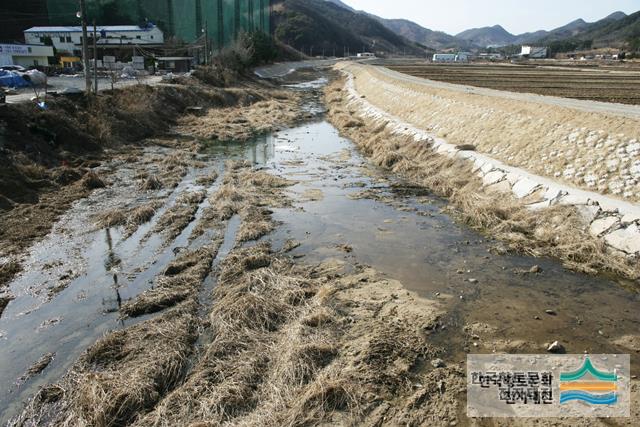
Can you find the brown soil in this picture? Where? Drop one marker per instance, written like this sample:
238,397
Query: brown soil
558,232
621,85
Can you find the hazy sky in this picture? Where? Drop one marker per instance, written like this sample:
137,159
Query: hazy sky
516,16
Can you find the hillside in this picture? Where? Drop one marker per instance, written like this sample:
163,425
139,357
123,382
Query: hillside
615,30
417,33
314,26
487,36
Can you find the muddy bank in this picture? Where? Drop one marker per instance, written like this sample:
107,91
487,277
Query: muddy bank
559,231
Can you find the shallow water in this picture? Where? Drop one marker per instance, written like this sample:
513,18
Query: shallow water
404,233
397,229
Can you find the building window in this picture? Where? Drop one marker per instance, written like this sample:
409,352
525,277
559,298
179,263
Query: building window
138,37
35,63
151,37
61,39
42,39
29,49
69,39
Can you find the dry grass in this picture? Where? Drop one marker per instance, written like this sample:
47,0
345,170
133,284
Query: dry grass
180,215
33,171
557,232
114,218
243,123
245,192
151,183
289,345
8,270
207,180
92,181
131,219
122,375
143,214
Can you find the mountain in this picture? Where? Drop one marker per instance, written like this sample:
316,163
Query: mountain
417,33
613,31
488,36
314,26
342,5
616,16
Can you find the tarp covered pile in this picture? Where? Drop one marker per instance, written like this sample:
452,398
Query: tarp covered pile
12,79
18,80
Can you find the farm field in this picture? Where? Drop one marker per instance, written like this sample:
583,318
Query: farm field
620,85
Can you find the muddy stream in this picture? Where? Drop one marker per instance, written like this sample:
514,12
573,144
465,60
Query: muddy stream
344,208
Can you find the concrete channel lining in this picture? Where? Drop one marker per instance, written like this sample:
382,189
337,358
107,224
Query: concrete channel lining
615,221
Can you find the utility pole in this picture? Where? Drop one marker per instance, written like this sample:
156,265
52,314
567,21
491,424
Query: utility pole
206,43
85,48
95,58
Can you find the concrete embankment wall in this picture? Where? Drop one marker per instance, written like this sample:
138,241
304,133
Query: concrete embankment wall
541,152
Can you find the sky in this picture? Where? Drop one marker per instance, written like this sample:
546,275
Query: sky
516,16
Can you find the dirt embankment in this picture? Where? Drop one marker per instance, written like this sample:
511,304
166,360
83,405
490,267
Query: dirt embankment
559,231
48,157
282,343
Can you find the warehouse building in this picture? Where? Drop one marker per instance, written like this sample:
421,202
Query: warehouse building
184,19
25,55
534,52
69,39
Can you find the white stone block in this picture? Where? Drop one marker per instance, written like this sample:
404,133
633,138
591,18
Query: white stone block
524,187
625,239
493,177
601,226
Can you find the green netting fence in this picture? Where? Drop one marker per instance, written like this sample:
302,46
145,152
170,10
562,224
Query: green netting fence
183,19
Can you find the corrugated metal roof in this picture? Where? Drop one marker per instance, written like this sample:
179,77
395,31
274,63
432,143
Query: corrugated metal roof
78,29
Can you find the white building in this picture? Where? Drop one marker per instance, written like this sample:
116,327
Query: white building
464,56
444,57
366,55
25,55
534,52
69,39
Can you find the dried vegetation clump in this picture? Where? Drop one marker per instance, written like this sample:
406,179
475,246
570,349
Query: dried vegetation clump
121,376
179,282
559,231
91,181
181,214
249,193
131,219
240,123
